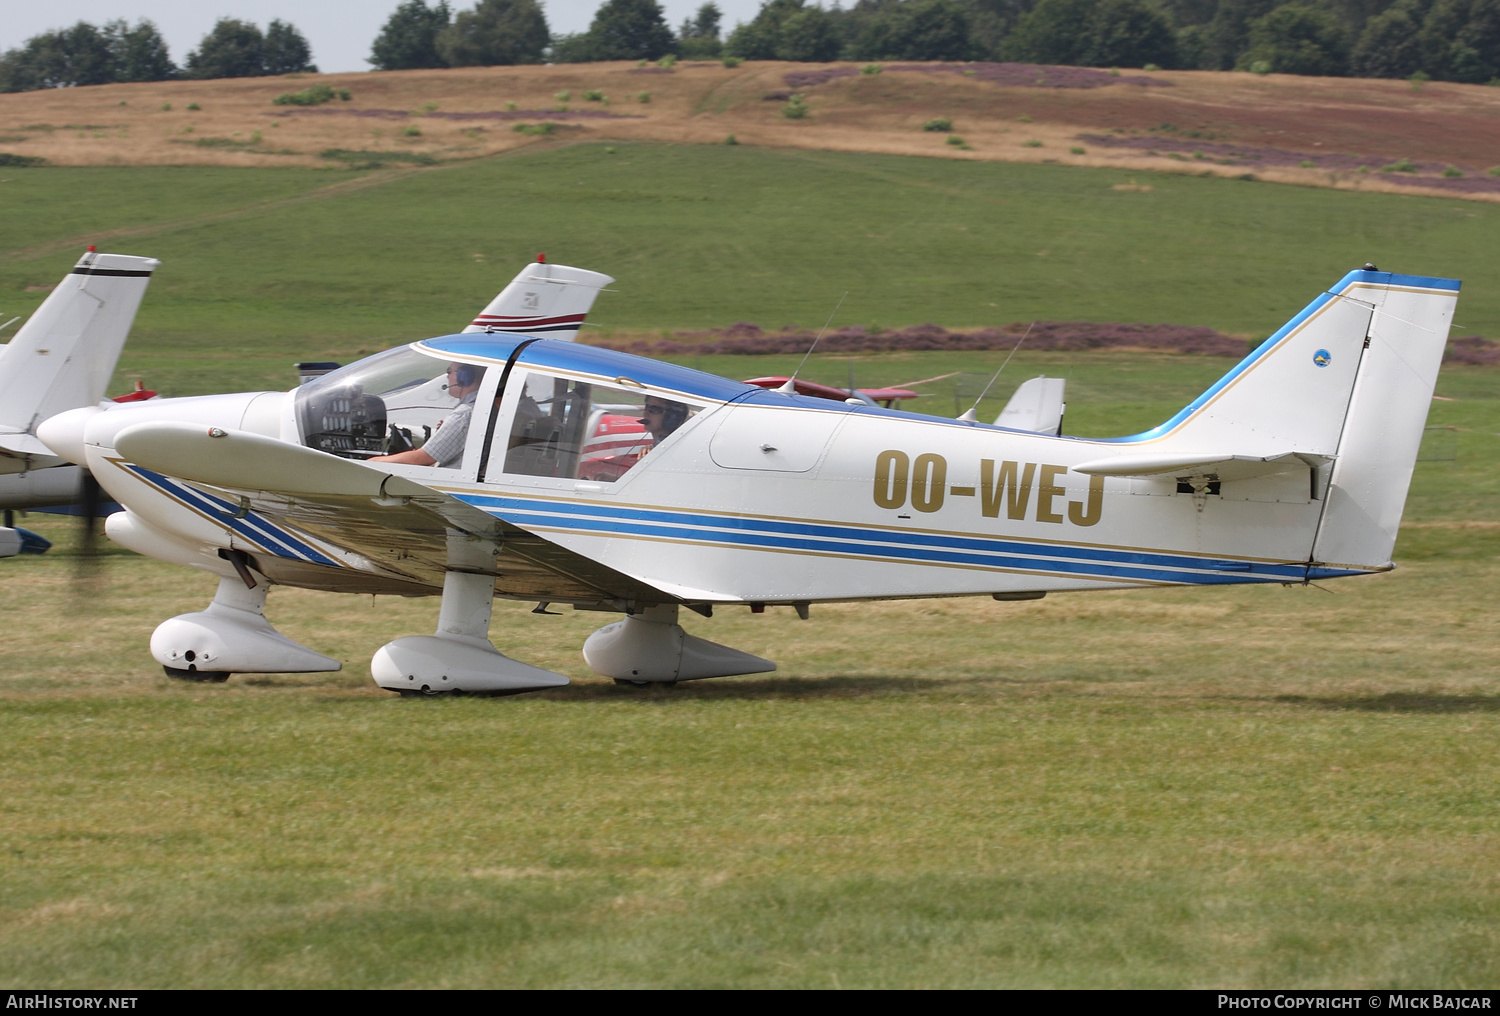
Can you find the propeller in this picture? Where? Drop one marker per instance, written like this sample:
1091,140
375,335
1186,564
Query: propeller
90,498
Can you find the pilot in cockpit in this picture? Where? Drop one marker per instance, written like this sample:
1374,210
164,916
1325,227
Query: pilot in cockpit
446,446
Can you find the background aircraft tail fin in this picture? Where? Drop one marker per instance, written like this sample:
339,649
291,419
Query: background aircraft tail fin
544,299
64,355
1036,406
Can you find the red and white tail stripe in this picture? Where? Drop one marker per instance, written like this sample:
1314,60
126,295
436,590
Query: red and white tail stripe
528,325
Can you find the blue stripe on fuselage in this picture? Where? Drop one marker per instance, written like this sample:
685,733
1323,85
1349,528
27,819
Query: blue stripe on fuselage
757,533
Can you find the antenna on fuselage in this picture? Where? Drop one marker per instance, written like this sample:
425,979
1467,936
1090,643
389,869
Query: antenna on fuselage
971,415
790,387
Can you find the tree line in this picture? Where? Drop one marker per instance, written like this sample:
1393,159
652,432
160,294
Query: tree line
99,55
1451,40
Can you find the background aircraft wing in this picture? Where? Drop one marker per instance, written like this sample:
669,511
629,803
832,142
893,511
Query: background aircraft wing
385,523
23,452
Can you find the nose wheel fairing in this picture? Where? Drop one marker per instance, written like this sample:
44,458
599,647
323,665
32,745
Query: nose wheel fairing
232,636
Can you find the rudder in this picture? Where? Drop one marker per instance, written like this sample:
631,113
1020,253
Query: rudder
1382,433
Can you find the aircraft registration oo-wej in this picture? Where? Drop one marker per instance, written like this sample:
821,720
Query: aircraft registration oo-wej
510,464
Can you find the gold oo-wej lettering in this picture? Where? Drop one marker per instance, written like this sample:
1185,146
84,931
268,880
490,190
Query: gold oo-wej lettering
1005,486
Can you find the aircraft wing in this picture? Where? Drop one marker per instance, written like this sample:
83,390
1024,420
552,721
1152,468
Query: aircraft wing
1225,467
30,452
398,526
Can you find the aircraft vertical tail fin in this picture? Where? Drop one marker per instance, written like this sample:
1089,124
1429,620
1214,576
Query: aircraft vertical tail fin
544,299
64,355
1343,390
1291,394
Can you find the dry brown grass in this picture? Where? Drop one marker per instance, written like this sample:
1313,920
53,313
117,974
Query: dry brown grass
704,103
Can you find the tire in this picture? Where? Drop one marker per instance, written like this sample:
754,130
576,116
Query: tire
198,676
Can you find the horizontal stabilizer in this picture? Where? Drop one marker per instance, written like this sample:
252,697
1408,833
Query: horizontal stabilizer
1220,466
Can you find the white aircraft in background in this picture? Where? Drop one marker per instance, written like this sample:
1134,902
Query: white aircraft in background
1292,467
62,358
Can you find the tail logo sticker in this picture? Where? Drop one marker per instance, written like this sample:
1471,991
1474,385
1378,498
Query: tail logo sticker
1322,358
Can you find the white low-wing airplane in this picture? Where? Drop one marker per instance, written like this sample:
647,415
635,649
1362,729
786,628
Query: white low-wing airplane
1292,467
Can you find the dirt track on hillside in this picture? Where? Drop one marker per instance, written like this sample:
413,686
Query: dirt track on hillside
1325,132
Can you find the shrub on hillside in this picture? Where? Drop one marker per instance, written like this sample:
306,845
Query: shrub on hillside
315,95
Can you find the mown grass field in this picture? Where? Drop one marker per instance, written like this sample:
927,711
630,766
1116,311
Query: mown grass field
1229,787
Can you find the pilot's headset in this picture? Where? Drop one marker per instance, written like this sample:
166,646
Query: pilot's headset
465,374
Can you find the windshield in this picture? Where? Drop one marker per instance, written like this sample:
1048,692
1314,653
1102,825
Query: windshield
385,404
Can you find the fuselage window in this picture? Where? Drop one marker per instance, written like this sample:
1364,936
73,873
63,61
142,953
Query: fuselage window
571,429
